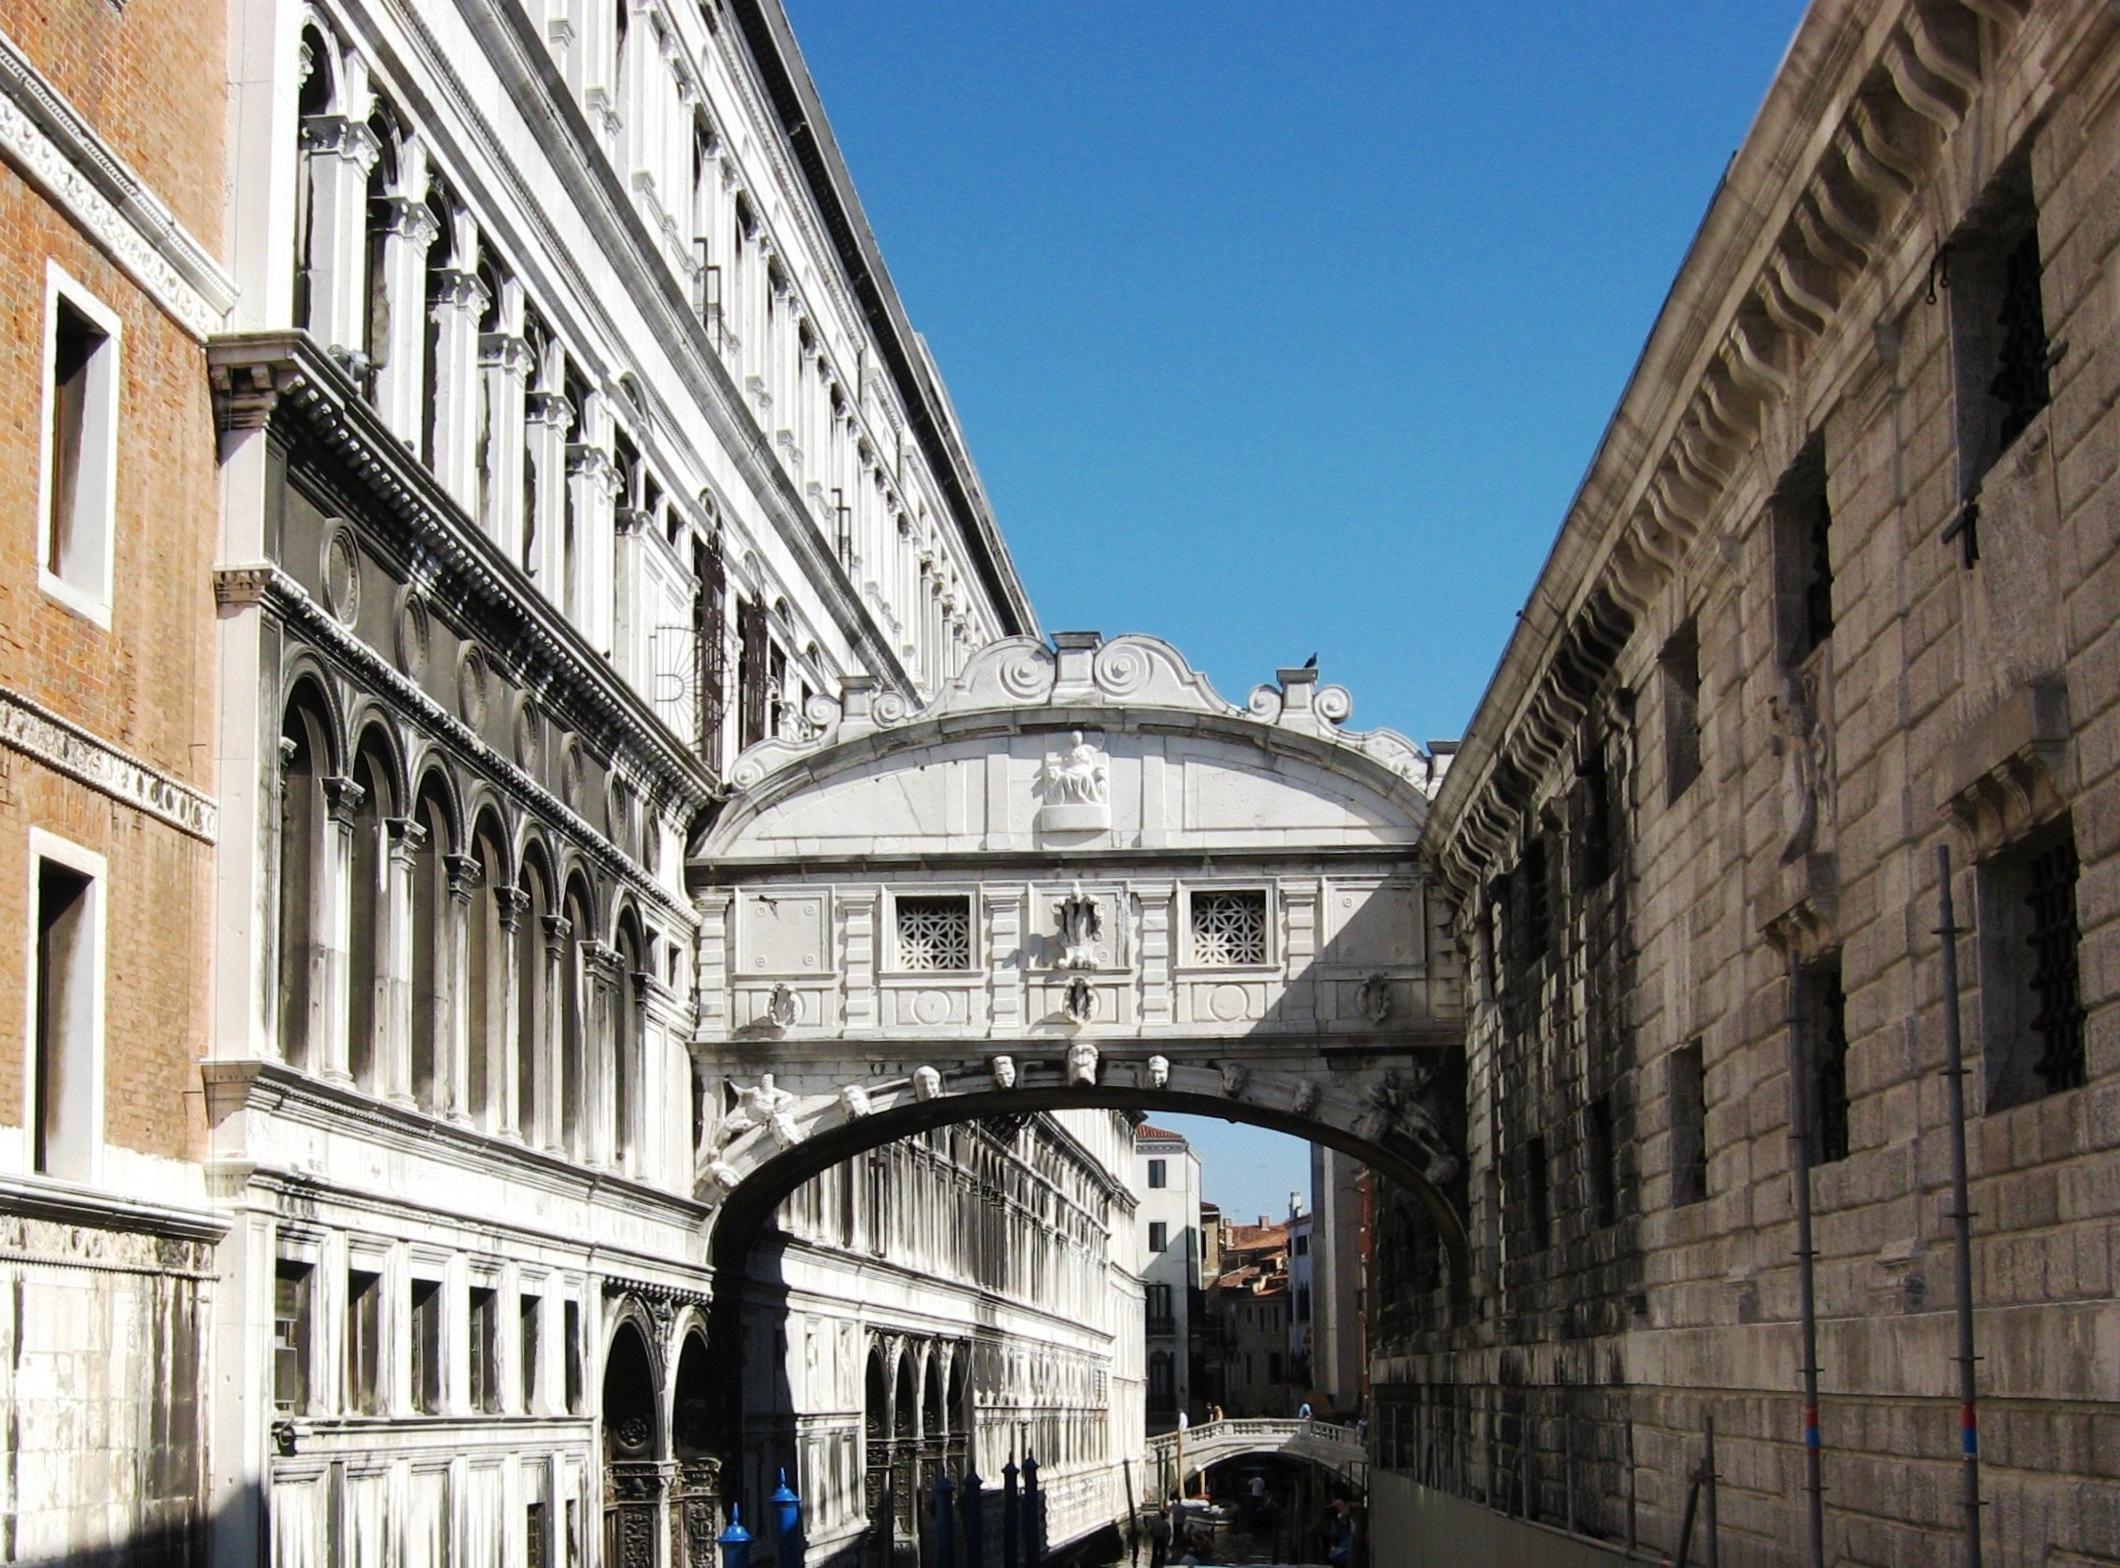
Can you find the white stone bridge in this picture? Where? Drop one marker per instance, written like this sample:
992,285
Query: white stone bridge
1078,877
1337,1448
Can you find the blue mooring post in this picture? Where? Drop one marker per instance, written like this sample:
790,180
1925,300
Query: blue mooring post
1033,1515
735,1542
945,1521
974,1536
787,1521
1011,1509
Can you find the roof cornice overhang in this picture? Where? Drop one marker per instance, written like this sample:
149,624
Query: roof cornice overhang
794,97
1823,188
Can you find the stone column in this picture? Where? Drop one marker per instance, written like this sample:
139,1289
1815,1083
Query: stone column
504,367
409,230
329,979
404,837
466,876
629,636
337,154
544,553
592,481
510,903
551,1133
459,302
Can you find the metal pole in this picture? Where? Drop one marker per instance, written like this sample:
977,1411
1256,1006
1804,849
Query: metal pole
945,1521
1568,1459
1806,1289
1133,1511
974,1531
1961,1209
1010,1507
1631,1536
1707,1476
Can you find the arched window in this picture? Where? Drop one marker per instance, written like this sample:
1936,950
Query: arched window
573,1022
370,873
316,101
305,762
540,343
485,960
431,1000
531,1000
485,455
382,220
626,1047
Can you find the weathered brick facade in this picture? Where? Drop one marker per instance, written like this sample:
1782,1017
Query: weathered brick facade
1853,687
111,122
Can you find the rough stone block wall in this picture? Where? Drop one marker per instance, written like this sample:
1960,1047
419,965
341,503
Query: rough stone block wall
1925,652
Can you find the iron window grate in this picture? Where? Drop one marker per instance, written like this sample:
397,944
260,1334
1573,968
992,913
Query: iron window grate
2053,939
934,934
1229,929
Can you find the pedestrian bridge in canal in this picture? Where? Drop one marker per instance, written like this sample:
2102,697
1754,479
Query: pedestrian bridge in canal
1337,1448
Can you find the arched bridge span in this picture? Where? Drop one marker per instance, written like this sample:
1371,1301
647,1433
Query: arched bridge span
1078,877
1339,1449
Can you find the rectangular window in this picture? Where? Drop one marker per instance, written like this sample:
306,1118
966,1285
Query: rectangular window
571,1322
364,1342
1802,534
1680,666
1158,1236
485,1350
290,1336
1600,1161
1689,1118
80,446
935,934
529,1316
426,1339
1229,928
1999,345
1302,1246
1302,1303
752,639
1825,1037
2031,1005
63,1114
1158,1173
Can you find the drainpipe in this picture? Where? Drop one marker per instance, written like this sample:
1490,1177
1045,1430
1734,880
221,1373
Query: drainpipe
1800,1176
1961,1208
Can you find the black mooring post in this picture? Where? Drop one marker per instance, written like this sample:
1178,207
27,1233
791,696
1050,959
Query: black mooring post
1961,1210
1011,1509
945,1521
1033,1515
968,1499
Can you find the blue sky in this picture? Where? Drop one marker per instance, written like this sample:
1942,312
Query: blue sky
1287,328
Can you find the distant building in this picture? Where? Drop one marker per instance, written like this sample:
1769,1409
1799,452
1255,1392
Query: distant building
1169,1219
1299,1297
1251,1300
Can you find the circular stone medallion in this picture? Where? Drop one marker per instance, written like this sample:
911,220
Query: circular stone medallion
342,575
1226,1002
930,1007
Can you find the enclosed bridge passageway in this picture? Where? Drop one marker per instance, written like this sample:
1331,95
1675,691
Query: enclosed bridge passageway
1078,878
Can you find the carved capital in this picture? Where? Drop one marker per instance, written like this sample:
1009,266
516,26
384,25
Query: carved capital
510,903
557,929
342,799
466,875
502,351
548,408
335,135
457,289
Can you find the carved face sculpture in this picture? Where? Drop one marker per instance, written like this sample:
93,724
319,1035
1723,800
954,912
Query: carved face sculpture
1305,1099
1004,1068
1082,1063
1234,1075
927,1083
855,1099
1158,1071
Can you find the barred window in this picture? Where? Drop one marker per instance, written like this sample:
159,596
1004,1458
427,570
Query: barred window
1825,1038
2031,1004
1229,929
934,933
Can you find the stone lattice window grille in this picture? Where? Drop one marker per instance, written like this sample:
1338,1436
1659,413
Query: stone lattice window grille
1229,929
934,934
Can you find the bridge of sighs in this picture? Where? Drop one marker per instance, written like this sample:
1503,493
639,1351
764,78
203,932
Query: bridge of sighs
1079,877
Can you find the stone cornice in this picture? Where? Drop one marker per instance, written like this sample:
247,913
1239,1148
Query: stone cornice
285,378
273,1088
63,746
271,586
46,138
1822,193
92,1209
511,39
